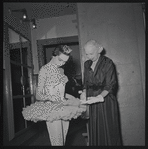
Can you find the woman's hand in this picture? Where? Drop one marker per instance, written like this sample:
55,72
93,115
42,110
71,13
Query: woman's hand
92,100
82,96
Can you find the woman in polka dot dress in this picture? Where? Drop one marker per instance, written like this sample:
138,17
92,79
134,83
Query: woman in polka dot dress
57,107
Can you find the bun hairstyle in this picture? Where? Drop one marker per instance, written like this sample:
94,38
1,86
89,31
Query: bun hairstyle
62,49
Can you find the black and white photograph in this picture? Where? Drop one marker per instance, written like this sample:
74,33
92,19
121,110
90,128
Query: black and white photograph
73,74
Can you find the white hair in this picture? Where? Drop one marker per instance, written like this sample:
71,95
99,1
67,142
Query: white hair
95,44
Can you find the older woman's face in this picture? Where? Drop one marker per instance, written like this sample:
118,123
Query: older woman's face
61,59
91,52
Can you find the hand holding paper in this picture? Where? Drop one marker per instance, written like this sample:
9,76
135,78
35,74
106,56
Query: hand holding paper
92,100
83,96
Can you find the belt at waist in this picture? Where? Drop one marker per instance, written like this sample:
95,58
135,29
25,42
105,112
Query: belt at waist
94,87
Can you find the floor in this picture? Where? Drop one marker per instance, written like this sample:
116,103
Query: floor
74,136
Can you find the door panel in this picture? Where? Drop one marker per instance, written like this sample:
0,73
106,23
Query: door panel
26,82
48,54
15,55
24,57
21,69
16,74
19,122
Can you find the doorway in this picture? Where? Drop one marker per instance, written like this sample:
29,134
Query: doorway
46,46
72,66
18,90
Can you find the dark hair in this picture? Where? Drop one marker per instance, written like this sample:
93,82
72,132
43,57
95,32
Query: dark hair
59,49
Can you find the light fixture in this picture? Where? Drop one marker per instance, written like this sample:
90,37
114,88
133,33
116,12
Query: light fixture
33,23
23,11
24,17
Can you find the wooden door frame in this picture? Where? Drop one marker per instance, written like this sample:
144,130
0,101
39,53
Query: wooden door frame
8,123
8,103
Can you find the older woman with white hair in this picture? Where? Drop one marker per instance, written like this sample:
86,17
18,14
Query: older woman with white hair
100,86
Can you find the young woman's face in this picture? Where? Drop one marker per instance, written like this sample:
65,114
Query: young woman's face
61,59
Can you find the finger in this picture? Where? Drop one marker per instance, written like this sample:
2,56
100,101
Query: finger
84,102
80,92
89,98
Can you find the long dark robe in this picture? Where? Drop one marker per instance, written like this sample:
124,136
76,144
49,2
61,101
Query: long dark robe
103,117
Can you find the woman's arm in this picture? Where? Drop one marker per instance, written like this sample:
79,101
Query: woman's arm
41,94
110,79
109,86
104,93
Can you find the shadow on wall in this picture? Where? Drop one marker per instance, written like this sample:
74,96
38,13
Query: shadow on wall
116,92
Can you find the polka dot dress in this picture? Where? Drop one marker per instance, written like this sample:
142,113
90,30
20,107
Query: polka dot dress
53,90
